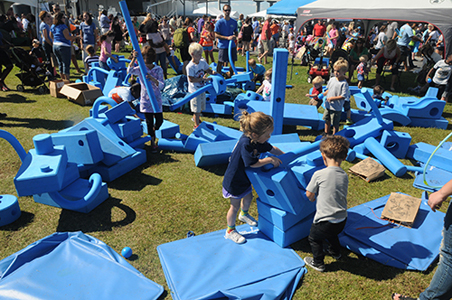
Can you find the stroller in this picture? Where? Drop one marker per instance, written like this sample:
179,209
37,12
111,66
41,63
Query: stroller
318,65
32,72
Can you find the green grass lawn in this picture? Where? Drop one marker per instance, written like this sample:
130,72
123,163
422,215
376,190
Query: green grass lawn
163,199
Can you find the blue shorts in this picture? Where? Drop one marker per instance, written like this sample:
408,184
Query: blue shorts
223,55
207,48
360,77
346,105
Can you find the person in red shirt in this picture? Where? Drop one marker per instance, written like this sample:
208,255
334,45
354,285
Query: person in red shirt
319,29
265,39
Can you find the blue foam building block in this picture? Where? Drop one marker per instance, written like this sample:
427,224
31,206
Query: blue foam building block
426,108
360,131
396,142
168,130
282,219
284,138
127,129
386,158
198,272
303,171
435,178
219,109
41,173
208,154
113,80
422,151
277,187
100,111
395,116
76,190
278,93
290,147
9,209
286,238
113,147
210,132
82,147
174,145
250,95
75,264
125,165
119,112
397,246
440,123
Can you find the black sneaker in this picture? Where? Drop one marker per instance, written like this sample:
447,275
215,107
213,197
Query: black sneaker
3,115
332,254
310,262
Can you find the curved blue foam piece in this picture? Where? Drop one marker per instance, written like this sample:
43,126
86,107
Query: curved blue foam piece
286,158
9,209
425,108
386,157
53,270
372,105
96,184
395,116
195,267
190,96
231,44
397,246
99,101
15,143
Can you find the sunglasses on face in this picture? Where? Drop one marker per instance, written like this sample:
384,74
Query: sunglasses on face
226,10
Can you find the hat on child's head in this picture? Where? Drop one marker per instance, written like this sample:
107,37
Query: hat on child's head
35,41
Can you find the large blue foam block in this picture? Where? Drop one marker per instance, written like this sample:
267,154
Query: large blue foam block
9,209
435,178
168,130
82,147
200,267
422,151
386,158
360,131
75,264
397,246
396,142
440,123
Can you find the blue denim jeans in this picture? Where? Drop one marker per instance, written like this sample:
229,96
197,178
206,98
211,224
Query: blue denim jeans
441,285
63,54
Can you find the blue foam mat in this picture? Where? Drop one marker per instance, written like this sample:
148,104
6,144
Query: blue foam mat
210,267
72,265
397,246
435,178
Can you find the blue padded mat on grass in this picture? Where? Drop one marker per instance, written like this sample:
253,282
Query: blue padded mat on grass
435,177
210,267
397,246
72,265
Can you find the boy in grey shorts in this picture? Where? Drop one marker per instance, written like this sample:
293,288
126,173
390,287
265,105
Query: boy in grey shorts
336,94
331,186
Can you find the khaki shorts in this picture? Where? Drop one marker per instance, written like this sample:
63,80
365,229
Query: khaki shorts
198,104
266,44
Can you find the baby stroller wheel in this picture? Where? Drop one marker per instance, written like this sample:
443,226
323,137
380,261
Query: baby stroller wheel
20,88
42,89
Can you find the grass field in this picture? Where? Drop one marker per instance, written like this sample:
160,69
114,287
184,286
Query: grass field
163,199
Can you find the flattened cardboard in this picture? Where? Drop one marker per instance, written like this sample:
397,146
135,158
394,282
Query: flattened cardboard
401,209
368,169
81,93
55,87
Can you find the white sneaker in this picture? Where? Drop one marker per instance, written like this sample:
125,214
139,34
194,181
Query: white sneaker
235,237
248,219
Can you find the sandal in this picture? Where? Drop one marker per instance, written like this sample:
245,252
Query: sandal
402,297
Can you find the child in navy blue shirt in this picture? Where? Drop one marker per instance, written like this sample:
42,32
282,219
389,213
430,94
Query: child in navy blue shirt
257,128
258,71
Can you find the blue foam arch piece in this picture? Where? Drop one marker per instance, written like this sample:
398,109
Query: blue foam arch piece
394,115
400,247
14,143
198,271
386,157
44,262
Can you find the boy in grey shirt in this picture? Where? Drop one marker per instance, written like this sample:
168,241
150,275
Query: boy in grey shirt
331,186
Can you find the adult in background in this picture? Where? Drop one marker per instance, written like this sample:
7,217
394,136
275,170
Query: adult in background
62,39
184,55
88,34
240,22
172,24
441,79
431,35
157,42
274,28
247,35
265,37
380,39
441,285
104,22
405,37
47,41
119,34
319,29
285,33
144,28
356,52
391,32
180,22
200,24
6,62
256,29
225,31
390,54
333,36
165,30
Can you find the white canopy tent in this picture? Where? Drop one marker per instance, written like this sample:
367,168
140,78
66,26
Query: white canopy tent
259,14
213,11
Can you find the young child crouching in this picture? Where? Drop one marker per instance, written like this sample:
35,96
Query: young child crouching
317,89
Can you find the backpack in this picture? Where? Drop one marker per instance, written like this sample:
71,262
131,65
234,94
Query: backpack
181,38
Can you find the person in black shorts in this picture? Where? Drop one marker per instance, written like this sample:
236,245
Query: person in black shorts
5,61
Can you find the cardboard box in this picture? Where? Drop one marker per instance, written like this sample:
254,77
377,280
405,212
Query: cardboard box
81,93
401,209
55,86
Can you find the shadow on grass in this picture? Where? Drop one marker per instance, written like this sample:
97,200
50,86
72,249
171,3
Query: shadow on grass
16,98
99,219
23,221
218,170
34,123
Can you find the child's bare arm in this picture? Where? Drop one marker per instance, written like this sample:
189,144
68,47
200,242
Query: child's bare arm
311,196
276,151
196,79
261,88
268,160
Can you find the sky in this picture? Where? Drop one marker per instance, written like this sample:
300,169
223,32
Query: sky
245,7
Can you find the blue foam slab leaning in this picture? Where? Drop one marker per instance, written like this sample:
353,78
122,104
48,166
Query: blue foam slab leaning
82,147
210,267
422,151
360,131
168,130
75,191
75,264
285,238
440,123
435,178
397,246
119,112
219,109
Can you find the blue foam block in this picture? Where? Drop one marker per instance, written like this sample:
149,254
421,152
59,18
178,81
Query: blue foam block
440,123
208,154
119,112
397,143
9,209
219,109
110,173
397,246
174,145
303,171
82,147
209,132
75,191
168,130
198,272
282,219
286,238
426,108
288,147
360,131
75,264
41,173
277,187
127,129
386,158
435,178
100,111
113,147
395,116
422,151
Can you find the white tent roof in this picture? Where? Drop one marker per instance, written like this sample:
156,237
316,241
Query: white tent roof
213,11
259,14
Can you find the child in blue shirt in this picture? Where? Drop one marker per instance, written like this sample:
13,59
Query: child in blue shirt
257,69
